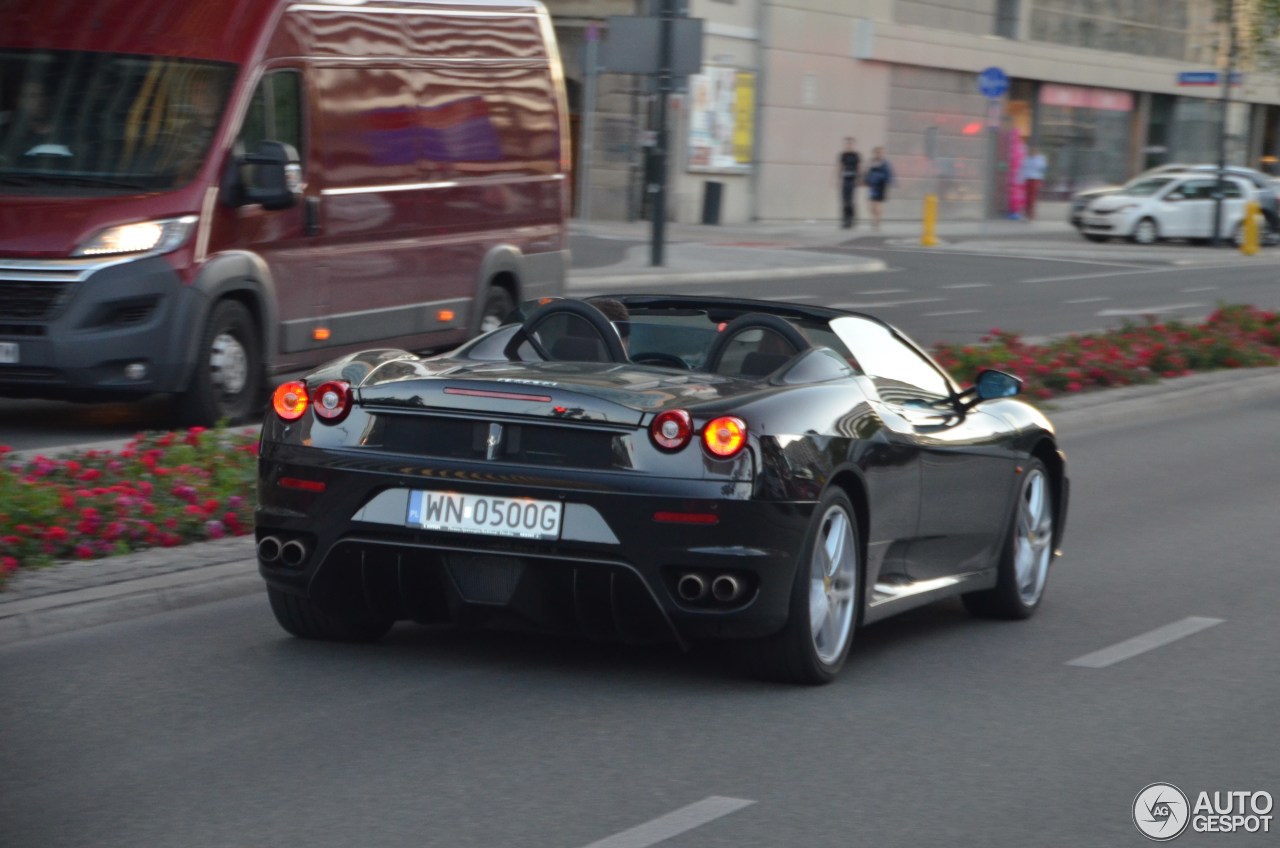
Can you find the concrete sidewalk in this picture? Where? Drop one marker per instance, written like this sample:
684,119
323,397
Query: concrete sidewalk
74,595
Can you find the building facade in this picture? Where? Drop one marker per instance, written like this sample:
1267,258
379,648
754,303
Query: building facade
1105,88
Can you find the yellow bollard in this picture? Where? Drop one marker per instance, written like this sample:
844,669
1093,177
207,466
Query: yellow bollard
929,237
1250,244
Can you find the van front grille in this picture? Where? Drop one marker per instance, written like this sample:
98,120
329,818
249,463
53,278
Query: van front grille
22,300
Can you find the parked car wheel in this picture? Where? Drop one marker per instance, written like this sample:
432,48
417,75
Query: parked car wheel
1024,564
303,618
825,599
1146,231
227,382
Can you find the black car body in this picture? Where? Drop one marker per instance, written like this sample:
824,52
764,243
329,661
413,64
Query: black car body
746,469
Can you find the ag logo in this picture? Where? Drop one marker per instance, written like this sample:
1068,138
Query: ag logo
1161,811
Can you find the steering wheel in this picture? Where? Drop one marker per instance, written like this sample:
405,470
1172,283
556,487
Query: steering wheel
657,357
605,331
754,321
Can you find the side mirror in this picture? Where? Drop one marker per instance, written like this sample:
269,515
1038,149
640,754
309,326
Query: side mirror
995,384
270,176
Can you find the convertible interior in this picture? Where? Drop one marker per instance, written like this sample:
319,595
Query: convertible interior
747,344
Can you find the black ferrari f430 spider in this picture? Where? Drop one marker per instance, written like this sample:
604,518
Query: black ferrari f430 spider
696,468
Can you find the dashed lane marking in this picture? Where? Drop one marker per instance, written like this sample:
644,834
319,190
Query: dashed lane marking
1149,641
673,823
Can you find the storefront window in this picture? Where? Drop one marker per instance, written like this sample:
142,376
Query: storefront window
1085,134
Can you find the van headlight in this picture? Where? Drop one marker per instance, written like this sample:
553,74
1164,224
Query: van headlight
141,237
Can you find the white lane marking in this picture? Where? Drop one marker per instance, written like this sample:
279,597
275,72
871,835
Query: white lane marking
1146,310
884,291
885,304
950,312
673,824
1160,270
1087,300
968,286
1200,289
1157,638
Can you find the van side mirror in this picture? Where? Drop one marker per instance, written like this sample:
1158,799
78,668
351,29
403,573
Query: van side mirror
270,176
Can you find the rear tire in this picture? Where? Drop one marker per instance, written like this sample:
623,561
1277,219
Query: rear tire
301,617
1023,571
227,381
826,600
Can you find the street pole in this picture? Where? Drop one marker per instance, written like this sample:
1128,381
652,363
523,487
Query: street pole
659,175
587,133
1222,126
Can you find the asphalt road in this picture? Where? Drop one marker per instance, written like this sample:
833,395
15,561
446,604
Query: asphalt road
1037,286
209,727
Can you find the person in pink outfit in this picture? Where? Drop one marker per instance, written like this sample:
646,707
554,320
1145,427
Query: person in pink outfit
1017,190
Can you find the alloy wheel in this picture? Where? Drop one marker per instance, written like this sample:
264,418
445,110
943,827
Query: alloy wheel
1033,538
833,575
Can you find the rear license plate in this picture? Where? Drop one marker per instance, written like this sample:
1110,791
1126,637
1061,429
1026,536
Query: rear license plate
523,518
8,353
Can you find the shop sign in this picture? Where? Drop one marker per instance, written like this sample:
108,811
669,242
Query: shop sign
1079,97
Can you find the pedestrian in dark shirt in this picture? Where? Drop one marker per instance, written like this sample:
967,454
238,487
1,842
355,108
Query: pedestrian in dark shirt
879,178
847,165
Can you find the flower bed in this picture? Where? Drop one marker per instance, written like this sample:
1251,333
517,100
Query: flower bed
167,489
160,490
1232,337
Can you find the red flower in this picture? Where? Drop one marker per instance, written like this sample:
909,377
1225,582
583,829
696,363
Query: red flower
8,565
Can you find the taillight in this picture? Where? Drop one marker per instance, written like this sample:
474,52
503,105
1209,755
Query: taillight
331,401
672,429
725,436
290,400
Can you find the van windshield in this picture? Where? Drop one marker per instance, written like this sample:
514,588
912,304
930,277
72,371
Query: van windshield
76,122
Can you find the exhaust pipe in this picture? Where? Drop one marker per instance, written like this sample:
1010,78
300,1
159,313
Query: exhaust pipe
269,549
293,553
691,587
726,588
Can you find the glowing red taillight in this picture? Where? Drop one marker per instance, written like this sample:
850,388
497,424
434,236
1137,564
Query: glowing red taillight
724,436
331,401
672,429
290,400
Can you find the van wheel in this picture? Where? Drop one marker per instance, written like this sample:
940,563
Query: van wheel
228,374
497,306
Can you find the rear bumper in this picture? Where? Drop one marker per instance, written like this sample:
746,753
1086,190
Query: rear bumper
613,572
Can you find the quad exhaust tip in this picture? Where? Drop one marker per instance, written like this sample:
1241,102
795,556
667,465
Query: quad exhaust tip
726,588
293,553
691,587
269,549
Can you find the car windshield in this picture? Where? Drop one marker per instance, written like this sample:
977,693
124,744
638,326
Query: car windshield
72,121
1145,187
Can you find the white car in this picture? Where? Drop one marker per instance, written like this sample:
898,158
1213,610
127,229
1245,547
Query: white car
1169,206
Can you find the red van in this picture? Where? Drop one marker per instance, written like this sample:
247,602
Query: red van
197,195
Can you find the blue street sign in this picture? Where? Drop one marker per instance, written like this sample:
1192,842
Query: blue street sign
993,82
1206,78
